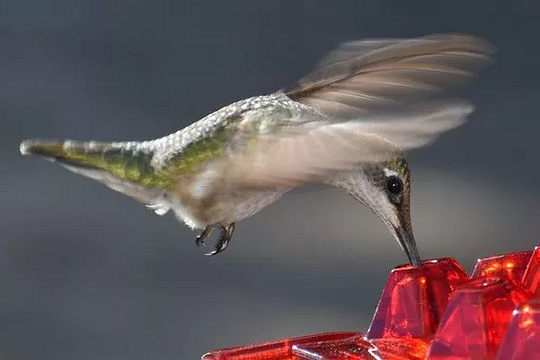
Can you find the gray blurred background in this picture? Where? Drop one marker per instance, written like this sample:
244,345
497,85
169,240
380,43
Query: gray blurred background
86,273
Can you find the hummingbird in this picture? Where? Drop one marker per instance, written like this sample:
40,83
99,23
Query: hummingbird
347,124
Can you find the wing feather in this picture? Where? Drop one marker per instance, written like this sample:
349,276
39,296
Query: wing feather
359,77
318,149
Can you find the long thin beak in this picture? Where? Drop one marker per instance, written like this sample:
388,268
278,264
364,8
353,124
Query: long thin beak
407,243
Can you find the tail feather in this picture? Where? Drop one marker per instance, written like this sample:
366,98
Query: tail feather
115,158
71,152
118,165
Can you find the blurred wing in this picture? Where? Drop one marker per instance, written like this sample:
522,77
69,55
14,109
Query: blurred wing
319,149
362,75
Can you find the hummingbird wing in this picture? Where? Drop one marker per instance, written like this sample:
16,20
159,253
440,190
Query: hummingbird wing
312,151
362,76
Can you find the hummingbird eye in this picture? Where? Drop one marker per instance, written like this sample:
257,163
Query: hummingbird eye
394,186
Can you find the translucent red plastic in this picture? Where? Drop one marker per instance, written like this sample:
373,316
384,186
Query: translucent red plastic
359,348
434,311
522,339
414,299
531,278
476,318
511,266
281,349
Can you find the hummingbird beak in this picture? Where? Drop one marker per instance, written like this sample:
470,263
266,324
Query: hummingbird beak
408,244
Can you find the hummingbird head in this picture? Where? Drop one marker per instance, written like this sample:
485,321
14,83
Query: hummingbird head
385,188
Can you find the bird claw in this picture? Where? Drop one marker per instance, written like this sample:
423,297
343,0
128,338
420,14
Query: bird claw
199,241
223,242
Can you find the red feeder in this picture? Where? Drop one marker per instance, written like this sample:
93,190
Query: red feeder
358,348
476,318
531,278
522,339
434,312
511,266
414,299
281,350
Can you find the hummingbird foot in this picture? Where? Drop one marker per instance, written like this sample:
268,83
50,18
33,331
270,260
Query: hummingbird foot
224,240
199,241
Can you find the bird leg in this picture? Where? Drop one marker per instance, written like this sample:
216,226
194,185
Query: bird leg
223,242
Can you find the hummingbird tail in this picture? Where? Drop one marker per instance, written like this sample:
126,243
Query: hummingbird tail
92,155
55,150
120,166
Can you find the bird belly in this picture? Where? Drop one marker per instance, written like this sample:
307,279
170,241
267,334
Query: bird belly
202,198
185,214
250,203
222,209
